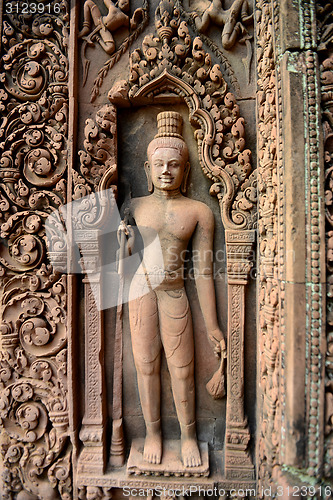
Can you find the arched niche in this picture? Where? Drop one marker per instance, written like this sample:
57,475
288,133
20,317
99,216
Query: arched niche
169,69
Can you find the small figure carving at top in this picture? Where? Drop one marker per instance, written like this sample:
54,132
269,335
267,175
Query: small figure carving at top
232,20
106,25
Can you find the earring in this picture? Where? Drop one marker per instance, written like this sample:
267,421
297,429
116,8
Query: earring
183,186
149,181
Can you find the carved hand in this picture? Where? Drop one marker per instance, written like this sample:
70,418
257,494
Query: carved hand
126,232
216,336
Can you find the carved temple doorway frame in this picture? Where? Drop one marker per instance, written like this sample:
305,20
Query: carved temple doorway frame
160,74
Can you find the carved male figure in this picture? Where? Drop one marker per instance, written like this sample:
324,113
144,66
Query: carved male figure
231,19
160,317
115,18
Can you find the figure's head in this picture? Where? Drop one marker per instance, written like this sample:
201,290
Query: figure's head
123,5
167,167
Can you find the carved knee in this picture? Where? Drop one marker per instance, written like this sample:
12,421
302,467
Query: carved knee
146,369
183,373
89,3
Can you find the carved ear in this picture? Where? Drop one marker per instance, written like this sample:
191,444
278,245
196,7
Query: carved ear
183,187
147,170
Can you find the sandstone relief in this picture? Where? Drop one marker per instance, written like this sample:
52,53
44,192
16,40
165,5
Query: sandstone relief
160,317
99,28
67,430
171,65
35,445
233,23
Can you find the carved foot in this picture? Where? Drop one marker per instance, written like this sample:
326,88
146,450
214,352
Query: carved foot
189,446
152,451
190,453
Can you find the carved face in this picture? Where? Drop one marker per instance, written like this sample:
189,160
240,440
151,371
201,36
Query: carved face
167,166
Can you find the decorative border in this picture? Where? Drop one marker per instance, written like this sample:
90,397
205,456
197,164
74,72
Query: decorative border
268,283
316,289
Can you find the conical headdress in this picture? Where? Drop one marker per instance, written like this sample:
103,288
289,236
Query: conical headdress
169,133
169,124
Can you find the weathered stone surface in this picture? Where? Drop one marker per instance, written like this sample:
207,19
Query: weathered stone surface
82,85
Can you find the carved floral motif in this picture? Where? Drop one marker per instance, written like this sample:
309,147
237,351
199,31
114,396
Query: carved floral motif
269,292
138,23
33,359
326,38
234,22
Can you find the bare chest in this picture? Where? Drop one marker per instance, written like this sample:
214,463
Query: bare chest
174,222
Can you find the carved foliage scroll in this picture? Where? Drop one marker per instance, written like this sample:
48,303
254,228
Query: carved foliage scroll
325,23
33,359
269,292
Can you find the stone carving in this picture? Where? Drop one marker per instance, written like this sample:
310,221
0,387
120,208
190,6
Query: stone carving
105,26
324,24
327,115
103,33
98,170
95,493
176,220
231,20
35,448
176,64
269,296
317,304
171,64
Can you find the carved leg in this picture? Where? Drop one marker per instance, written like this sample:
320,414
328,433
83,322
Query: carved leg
106,41
90,11
175,316
149,383
146,345
182,381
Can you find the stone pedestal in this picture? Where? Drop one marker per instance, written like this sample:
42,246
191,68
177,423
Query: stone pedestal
171,464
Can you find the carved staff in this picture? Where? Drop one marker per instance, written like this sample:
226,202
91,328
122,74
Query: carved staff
117,450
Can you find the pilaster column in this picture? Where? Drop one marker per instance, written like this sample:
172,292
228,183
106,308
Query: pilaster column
92,434
238,464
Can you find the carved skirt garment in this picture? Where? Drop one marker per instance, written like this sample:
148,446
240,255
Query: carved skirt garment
162,318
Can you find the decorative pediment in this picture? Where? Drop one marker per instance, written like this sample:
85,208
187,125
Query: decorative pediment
172,65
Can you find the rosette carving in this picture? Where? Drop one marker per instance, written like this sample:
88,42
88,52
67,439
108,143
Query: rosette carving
33,412
38,152
24,234
40,326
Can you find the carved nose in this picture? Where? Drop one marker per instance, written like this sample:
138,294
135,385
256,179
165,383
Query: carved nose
165,169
